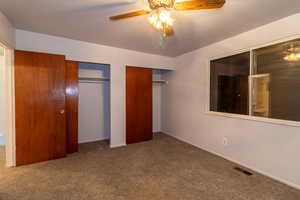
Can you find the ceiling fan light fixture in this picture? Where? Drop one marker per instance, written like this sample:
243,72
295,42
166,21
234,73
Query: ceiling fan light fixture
165,16
160,12
161,19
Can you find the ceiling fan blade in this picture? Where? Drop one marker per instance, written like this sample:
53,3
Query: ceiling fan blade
198,4
130,14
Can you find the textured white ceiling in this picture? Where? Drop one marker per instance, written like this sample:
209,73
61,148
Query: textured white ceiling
87,20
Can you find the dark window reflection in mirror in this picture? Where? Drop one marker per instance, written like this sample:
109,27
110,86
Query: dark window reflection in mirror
229,84
276,81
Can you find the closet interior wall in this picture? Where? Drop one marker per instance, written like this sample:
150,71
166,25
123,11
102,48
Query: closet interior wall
94,103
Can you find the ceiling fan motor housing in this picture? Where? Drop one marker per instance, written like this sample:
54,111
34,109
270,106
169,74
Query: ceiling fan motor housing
154,4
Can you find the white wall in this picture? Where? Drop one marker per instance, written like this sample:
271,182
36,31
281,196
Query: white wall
2,98
7,32
94,104
7,38
88,52
93,120
268,148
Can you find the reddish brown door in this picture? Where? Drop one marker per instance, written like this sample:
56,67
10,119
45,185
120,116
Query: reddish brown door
138,104
40,107
72,105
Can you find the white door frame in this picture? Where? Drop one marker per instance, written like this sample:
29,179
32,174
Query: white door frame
9,102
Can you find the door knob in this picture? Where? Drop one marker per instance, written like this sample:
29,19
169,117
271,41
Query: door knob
62,112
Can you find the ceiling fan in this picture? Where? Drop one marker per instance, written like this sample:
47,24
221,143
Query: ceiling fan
160,16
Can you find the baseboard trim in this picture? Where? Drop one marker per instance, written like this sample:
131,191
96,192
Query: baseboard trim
293,185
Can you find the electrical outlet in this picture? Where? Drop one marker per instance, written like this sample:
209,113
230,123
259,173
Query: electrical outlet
225,141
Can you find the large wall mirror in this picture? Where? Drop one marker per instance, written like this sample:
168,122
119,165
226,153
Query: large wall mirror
266,87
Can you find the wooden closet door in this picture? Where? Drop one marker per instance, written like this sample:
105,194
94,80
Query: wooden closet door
40,107
72,105
138,104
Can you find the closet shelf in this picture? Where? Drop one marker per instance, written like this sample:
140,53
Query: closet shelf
92,80
99,80
160,81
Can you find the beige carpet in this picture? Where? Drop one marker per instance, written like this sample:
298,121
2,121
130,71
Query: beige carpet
162,169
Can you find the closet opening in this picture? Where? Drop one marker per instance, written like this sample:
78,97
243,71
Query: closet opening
159,83
94,105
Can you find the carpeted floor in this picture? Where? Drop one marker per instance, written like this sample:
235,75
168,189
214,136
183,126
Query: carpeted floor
162,169
2,155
